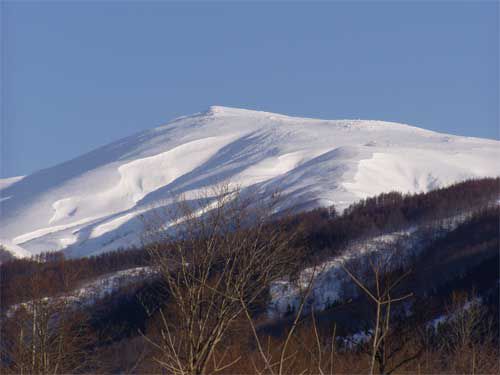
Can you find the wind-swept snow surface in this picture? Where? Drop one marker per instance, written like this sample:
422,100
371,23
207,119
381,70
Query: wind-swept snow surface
91,204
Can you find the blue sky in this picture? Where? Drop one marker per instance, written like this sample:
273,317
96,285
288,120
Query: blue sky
77,75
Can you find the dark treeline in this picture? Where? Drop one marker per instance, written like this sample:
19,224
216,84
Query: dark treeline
467,256
60,274
324,229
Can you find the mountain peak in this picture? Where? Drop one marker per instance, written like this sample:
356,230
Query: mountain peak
218,110
94,203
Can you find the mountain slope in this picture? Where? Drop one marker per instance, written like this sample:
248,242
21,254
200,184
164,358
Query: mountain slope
90,204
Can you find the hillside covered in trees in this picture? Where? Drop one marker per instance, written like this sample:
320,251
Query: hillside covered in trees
418,275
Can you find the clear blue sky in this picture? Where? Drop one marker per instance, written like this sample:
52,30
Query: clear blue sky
77,75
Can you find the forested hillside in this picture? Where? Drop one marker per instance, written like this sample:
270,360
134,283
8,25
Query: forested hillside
415,279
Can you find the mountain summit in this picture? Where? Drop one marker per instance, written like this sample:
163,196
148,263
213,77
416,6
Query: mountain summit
90,204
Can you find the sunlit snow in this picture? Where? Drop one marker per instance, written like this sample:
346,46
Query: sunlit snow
91,204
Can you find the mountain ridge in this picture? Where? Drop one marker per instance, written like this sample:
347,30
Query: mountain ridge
90,203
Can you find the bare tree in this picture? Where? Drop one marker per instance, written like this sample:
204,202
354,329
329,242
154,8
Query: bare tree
221,257
44,335
380,292
467,335
280,361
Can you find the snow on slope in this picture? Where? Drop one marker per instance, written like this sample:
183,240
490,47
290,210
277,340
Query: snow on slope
90,204
15,250
331,284
91,291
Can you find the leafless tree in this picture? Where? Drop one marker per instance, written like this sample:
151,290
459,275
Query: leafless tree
467,335
220,259
44,335
380,289
280,361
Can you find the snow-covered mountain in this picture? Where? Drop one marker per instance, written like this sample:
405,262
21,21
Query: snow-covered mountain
91,204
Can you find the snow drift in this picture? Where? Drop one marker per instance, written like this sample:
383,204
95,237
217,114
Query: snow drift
91,204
